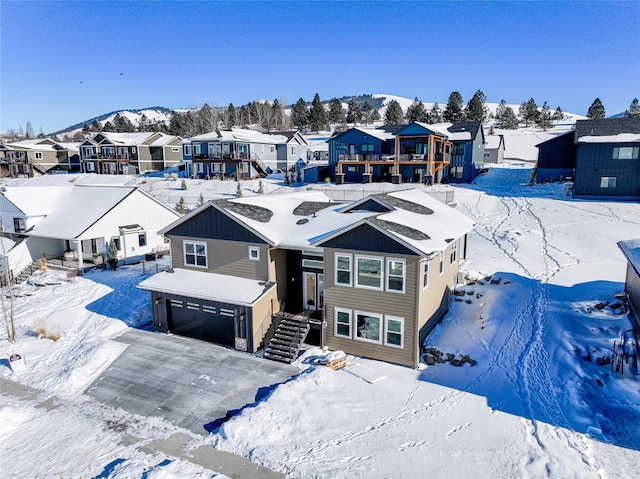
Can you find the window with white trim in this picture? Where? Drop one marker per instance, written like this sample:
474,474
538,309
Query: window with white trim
175,149
368,327
197,149
19,225
187,150
195,254
395,275
369,271
452,255
272,148
142,239
425,274
342,321
254,253
294,150
608,181
463,248
441,255
394,332
343,269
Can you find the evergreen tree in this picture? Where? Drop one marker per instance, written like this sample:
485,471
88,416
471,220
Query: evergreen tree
278,116
233,116
41,134
108,127
318,118
181,206
367,113
96,126
453,111
206,123
143,123
375,115
260,188
183,185
354,115
634,110
336,112
596,110
435,115
529,111
85,128
544,118
394,114
476,109
122,124
188,124
238,190
200,201
176,124
505,117
300,115
558,115
417,112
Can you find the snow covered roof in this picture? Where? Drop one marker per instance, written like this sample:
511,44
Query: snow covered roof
492,142
308,218
208,286
443,129
631,249
607,127
127,139
619,138
240,134
163,140
68,211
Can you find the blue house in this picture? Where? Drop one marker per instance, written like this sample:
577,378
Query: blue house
556,158
414,153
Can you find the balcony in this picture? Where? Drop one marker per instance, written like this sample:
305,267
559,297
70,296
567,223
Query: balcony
359,157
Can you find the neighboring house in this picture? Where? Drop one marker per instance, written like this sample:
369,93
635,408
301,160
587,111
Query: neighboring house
602,156
556,158
129,153
78,221
494,149
245,154
187,158
417,152
28,158
375,275
631,250
607,159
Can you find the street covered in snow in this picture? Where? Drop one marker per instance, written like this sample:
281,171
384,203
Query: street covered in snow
539,309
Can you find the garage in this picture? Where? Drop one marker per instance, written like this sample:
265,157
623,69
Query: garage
202,321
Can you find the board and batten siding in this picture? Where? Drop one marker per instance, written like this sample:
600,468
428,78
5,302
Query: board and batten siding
136,208
385,303
594,161
430,299
224,257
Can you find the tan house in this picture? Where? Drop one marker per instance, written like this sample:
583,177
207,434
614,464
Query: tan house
371,278
28,158
130,153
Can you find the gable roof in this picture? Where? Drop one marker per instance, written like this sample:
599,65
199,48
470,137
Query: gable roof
310,218
377,133
472,127
493,142
631,250
607,130
69,210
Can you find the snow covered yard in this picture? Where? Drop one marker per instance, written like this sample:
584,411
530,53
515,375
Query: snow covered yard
531,406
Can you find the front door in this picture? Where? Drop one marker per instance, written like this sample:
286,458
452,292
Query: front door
313,290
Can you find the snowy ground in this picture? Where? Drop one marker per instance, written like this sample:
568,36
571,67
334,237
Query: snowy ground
532,406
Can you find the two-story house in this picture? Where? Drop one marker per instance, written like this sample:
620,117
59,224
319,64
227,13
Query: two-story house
417,153
129,153
28,158
376,275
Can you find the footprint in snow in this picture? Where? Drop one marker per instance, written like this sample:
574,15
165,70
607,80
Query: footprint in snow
457,428
407,445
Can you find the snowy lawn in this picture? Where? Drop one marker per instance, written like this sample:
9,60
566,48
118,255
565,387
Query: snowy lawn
533,405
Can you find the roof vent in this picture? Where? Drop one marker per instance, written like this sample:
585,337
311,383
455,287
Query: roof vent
302,221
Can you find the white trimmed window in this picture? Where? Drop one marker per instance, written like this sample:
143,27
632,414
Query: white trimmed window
343,269
425,274
272,148
187,150
175,149
294,150
608,181
369,271
452,256
254,253
394,332
196,149
195,254
395,275
368,327
463,248
441,255
342,323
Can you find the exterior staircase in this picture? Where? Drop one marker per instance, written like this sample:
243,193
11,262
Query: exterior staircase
287,340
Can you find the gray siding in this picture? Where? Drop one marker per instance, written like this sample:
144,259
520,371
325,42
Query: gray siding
379,302
224,257
368,239
632,287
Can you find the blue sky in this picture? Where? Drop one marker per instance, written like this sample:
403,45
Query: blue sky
65,62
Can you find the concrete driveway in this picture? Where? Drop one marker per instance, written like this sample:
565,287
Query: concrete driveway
193,384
